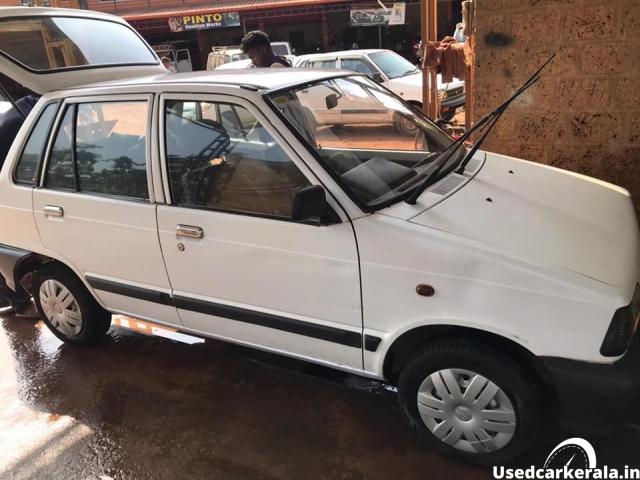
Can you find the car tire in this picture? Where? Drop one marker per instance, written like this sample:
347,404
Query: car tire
404,126
67,307
471,402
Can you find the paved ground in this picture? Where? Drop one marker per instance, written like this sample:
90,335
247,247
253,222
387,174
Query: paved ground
141,407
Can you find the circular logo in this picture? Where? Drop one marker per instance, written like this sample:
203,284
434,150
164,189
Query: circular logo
574,453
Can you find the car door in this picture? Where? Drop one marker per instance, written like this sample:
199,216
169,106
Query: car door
241,270
94,205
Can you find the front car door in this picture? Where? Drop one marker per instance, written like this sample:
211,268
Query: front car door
94,206
241,270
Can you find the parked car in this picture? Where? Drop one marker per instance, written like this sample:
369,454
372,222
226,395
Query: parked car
246,63
391,70
222,56
223,205
180,57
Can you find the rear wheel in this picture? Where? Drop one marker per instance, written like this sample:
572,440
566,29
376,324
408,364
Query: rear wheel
470,402
404,125
67,307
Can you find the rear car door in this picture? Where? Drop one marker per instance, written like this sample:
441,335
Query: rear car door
94,205
240,268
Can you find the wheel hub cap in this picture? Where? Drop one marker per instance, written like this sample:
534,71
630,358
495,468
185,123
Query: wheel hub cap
463,413
60,307
466,411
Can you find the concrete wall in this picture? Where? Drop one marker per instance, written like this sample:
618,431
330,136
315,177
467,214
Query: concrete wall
584,115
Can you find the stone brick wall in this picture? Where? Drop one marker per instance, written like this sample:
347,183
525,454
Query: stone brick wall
584,115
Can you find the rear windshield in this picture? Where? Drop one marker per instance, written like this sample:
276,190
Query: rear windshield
52,43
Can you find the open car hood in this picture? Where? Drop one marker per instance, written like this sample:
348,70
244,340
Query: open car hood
547,216
20,31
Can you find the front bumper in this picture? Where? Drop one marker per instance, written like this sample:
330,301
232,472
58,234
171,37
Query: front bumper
596,398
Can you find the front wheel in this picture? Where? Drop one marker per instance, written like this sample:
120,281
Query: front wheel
67,307
470,402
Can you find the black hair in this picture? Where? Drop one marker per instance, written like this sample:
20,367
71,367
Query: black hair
253,39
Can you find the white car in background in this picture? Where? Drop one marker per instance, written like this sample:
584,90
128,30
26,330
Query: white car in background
387,68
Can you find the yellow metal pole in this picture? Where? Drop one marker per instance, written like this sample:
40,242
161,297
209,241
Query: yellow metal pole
429,25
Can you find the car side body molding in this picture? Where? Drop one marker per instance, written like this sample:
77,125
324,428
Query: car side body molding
254,317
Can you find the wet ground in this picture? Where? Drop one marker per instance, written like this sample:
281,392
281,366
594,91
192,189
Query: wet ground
141,407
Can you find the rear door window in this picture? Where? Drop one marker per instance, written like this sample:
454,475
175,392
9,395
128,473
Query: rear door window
357,65
111,148
323,63
60,169
27,169
100,148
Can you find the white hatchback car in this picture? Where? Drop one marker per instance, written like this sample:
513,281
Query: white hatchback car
222,205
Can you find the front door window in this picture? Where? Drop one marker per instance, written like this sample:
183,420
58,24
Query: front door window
220,157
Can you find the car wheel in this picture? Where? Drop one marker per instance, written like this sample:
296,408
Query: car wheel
67,307
405,126
471,402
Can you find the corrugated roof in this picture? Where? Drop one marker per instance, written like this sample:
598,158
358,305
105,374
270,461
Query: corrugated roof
221,6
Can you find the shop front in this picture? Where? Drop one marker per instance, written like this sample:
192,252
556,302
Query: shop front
309,26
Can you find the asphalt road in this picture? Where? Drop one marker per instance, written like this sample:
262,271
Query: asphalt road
141,407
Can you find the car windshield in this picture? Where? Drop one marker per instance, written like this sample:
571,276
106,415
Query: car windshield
50,43
375,144
392,64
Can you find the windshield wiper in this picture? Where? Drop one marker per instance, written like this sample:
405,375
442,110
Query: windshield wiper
487,122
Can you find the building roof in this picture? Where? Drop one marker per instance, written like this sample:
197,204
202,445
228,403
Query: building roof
220,7
262,78
10,12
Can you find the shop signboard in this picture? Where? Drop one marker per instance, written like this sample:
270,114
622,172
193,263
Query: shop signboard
364,17
204,21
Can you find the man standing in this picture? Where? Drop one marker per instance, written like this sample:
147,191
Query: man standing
257,46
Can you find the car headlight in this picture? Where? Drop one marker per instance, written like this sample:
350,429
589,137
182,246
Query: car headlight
622,328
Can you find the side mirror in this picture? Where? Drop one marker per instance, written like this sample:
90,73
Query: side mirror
331,101
310,203
377,77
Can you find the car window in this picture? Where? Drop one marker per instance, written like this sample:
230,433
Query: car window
111,148
60,170
356,65
280,49
323,63
48,43
226,160
27,168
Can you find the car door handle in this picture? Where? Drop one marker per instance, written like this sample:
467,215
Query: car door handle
53,211
189,231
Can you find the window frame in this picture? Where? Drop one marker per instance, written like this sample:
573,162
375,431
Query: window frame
304,169
148,98
43,150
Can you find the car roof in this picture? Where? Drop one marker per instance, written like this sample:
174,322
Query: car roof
261,78
364,51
